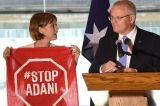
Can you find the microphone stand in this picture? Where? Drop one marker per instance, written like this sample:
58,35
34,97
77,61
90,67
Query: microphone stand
121,52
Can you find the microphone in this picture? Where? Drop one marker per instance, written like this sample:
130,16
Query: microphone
127,41
120,50
130,45
119,47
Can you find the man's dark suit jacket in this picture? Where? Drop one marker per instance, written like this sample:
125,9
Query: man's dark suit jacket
145,53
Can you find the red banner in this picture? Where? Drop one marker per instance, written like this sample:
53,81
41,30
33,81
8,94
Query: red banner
42,77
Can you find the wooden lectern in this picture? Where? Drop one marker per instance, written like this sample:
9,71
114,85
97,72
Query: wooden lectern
125,89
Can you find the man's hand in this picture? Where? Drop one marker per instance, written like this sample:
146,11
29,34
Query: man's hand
130,70
108,67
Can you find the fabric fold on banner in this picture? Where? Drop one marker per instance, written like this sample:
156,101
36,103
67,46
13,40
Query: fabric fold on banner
42,77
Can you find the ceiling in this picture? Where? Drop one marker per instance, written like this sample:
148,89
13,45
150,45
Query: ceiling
65,6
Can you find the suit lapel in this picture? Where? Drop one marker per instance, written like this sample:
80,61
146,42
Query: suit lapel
138,44
114,49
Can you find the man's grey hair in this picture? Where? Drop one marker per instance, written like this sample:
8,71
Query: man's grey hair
130,7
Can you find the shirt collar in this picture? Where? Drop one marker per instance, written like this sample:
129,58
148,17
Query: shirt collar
130,35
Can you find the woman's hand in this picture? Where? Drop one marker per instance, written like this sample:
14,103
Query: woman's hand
75,52
6,52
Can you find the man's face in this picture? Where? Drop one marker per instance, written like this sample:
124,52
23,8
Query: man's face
121,21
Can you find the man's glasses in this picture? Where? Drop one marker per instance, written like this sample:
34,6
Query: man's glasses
117,18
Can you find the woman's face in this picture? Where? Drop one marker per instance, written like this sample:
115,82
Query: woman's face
50,31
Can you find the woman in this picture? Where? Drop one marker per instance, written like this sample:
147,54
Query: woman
43,29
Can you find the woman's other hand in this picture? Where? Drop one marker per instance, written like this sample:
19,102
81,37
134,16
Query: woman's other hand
6,52
75,52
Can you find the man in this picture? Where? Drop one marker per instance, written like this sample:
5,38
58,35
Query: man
142,49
